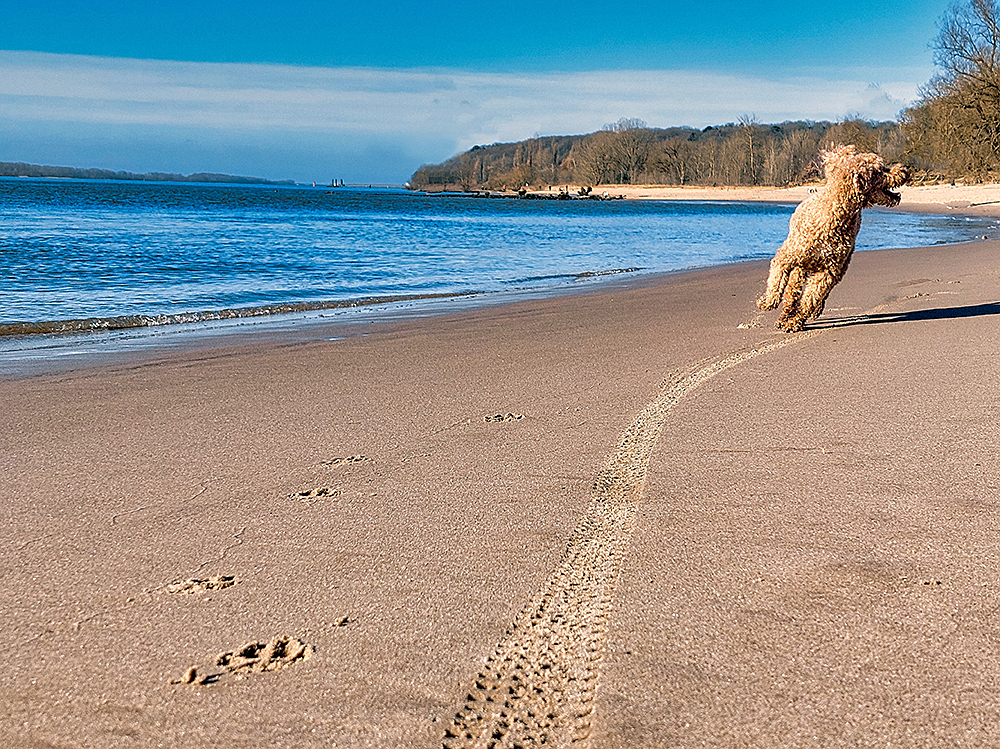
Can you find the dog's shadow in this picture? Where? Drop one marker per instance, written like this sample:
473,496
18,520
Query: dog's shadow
941,313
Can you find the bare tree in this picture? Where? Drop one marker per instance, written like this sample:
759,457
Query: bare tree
967,48
802,148
598,162
967,90
748,125
630,148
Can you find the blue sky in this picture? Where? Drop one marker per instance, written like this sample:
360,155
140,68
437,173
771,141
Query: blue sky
367,91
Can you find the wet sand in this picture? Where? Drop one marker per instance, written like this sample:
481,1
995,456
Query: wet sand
632,517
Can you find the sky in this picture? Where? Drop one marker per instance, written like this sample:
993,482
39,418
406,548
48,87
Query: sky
368,91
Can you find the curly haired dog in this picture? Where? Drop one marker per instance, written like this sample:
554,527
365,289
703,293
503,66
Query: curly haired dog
822,231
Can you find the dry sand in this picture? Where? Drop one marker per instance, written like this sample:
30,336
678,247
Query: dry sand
684,529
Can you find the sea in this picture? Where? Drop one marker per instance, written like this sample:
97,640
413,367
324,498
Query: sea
100,267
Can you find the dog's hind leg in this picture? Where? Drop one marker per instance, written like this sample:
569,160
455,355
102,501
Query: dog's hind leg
817,289
777,278
790,317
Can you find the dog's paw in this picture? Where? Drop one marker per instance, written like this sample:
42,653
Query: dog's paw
765,304
793,325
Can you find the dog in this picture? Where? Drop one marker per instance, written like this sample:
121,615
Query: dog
822,231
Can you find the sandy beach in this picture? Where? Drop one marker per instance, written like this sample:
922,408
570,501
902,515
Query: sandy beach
632,517
975,199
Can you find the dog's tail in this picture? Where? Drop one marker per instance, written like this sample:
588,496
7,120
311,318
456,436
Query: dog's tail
777,279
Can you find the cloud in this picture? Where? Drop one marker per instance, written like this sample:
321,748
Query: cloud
323,117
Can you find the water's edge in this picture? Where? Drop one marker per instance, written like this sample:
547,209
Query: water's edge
126,322
62,350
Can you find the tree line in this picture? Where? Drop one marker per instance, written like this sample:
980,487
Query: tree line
951,132
629,152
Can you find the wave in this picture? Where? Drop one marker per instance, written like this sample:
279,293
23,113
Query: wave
576,276
124,322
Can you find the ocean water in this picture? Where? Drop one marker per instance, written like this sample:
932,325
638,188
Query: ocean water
127,254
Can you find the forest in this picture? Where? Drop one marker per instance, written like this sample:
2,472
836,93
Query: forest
952,132
628,152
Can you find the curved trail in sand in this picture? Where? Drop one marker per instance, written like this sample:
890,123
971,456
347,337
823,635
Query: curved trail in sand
538,685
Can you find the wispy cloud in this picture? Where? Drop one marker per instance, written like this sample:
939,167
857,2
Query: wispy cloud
357,111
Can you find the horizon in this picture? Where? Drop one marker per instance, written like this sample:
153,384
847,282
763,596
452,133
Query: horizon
252,90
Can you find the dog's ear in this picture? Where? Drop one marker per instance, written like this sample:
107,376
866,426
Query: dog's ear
864,179
868,172
898,175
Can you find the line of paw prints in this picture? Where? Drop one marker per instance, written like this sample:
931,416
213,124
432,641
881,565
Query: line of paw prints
256,656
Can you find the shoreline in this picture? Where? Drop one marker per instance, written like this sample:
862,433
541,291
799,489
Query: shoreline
29,349
64,351
809,520
973,200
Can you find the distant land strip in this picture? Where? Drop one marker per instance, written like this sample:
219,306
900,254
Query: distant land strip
20,169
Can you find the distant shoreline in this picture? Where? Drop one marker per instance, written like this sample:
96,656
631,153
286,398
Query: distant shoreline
20,169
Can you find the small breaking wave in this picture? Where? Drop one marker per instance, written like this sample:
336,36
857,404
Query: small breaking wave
125,322
576,276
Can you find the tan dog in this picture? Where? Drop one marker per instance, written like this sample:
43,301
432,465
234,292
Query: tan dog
822,232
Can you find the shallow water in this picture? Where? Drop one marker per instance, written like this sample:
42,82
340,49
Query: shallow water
165,252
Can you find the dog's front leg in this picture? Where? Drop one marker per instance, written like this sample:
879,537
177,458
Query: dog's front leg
777,278
790,309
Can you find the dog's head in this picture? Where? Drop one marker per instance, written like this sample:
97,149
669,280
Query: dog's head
865,175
